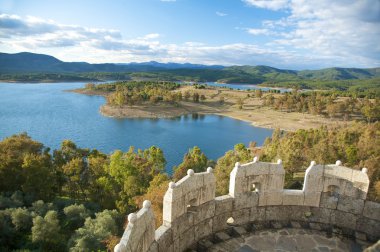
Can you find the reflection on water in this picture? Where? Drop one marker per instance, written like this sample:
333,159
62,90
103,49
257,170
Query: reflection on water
50,116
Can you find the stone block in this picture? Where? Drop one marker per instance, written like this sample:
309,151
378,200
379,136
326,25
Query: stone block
203,229
343,219
314,179
204,211
339,172
207,193
258,168
223,204
322,215
186,239
271,198
219,222
276,169
277,213
298,213
257,214
328,201
241,216
181,224
312,199
293,197
372,210
369,226
276,182
246,200
164,238
350,205
332,181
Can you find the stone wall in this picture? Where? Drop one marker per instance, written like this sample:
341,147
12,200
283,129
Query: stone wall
333,198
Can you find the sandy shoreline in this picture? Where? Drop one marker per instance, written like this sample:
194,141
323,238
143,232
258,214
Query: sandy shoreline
252,112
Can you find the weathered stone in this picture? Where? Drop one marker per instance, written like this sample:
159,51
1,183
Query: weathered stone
257,214
204,211
223,204
369,226
219,222
164,238
328,201
372,210
321,215
221,236
203,229
277,213
343,219
312,199
241,216
246,200
350,205
293,197
181,224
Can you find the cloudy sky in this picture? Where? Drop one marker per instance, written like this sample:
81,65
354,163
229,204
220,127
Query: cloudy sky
294,34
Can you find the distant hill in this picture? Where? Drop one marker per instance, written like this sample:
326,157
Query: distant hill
12,66
30,62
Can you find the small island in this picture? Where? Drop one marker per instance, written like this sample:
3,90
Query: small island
271,109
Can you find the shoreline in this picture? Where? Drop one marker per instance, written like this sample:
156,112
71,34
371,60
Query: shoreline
256,115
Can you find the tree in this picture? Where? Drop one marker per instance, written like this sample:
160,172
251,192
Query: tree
39,177
21,219
240,103
195,97
46,231
225,164
12,152
75,216
94,233
195,159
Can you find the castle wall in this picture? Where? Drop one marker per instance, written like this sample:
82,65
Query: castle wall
333,197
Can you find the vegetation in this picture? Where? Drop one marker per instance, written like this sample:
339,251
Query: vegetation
76,199
326,104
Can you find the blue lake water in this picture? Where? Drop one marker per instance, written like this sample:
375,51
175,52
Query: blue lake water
50,115
246,86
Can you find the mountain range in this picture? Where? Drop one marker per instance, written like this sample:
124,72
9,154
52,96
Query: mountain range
31,63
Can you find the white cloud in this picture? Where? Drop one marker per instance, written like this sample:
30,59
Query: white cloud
258,31
343,32
306,38
221,14
168,0
269,4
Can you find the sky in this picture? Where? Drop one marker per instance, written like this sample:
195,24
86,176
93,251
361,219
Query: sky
290,34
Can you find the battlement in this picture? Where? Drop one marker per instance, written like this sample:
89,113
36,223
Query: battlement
332,196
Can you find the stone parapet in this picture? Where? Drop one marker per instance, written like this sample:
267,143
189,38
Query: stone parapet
333,199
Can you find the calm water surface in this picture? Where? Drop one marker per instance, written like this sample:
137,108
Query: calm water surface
50,115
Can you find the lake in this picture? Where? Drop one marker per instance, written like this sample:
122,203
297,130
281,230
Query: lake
239,86
50,115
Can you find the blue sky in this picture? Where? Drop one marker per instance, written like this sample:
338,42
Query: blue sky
295,34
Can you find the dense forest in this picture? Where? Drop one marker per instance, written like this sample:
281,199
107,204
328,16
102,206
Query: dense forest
76,199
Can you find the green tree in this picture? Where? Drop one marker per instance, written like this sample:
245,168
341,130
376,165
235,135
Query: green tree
225,164
195,159
46,231
39,177
21,219
92,235
75,216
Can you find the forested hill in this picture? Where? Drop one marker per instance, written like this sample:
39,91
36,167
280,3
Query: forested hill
37,67
30,62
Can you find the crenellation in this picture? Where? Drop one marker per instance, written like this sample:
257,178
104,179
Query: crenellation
333,197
